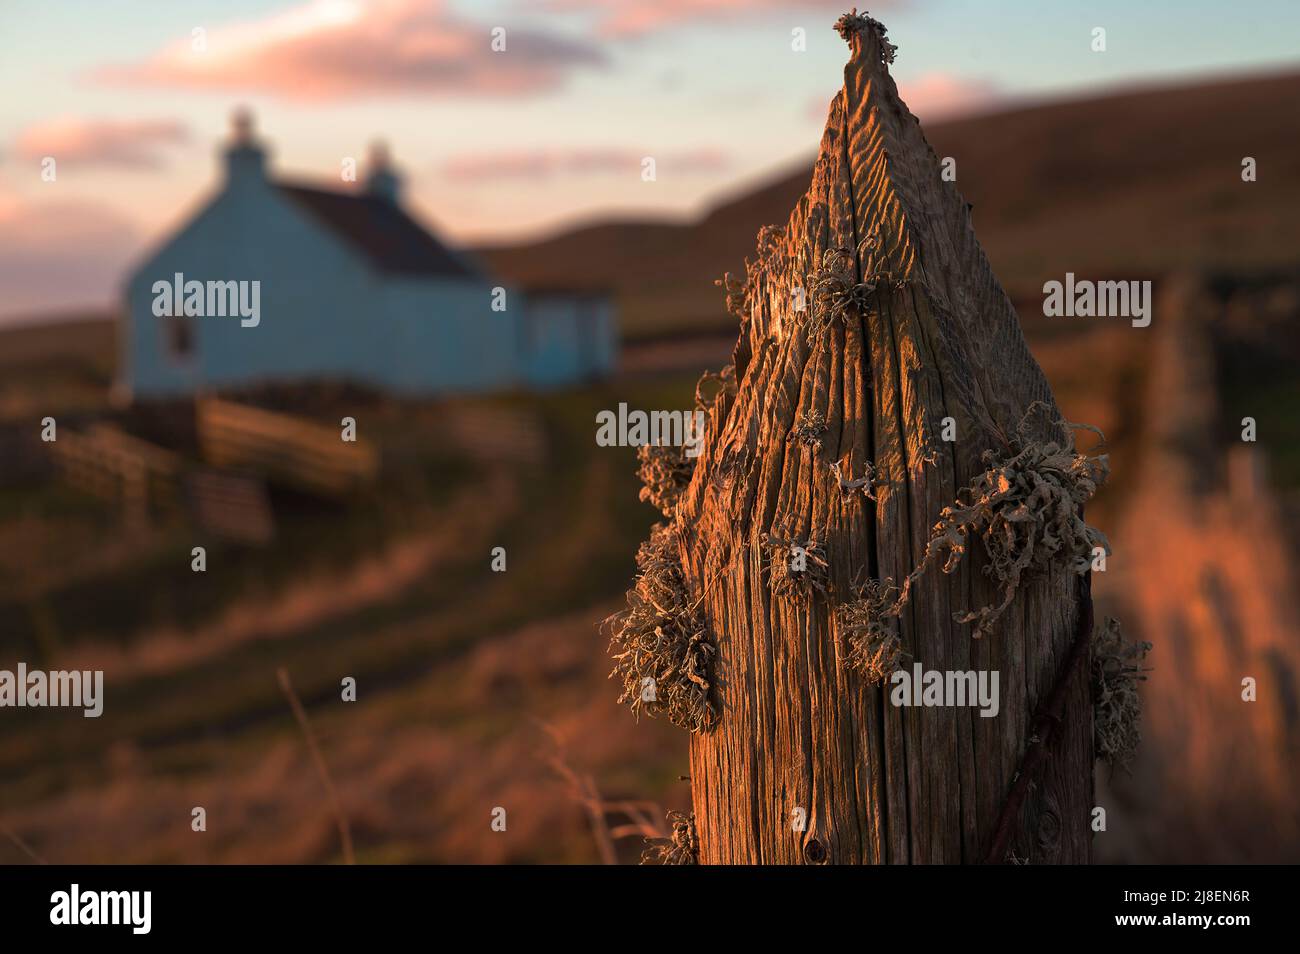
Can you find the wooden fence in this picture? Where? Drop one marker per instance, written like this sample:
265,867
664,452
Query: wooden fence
114,466
231,506
284,449
495,434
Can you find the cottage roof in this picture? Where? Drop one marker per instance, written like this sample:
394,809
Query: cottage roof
381,231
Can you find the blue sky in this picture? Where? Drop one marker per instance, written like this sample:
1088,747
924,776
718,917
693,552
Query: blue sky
549,132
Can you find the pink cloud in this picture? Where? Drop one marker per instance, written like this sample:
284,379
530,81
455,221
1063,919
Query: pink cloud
135,144
936,96
632,18
61,254
548,164
335,49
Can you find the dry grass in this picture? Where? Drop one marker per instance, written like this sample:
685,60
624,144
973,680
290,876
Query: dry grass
419,767
639,817
17,841
310,599
318,760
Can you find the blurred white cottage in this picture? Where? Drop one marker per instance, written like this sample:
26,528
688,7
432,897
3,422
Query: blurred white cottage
276,281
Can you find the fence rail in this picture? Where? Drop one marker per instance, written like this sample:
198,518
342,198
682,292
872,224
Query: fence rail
114,466
284,449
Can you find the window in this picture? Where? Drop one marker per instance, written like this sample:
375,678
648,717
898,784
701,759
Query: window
179,336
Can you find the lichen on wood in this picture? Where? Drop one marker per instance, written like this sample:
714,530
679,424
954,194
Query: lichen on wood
1026,510
900,327
725,383
736,292
850,487
797,568
860,23
835,292
874,649
681,847
665,472
660,645
1117,705
771,241
734,463
809,430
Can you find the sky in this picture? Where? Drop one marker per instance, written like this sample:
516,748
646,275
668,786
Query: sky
133,98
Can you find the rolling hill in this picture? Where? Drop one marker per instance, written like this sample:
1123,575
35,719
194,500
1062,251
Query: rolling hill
1126,185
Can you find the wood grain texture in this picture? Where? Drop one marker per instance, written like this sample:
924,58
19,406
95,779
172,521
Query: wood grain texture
799,730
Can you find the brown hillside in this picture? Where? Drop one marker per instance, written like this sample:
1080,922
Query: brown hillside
1130,184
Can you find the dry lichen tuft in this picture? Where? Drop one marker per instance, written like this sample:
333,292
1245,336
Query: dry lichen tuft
797,568
874,649
1027,512
734,462
853,23
736,289
835,293
723,381
1117,706
665,471
866,484
681,847
770,242
1026,509
809,430
660,645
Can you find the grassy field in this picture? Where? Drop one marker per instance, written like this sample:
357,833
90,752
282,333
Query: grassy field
458,668
393,589
476,689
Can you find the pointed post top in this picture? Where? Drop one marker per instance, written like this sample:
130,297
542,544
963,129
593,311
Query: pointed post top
866,37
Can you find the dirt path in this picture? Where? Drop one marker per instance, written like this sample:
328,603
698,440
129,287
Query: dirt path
471,514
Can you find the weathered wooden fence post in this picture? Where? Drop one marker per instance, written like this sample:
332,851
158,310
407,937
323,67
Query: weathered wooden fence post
885,483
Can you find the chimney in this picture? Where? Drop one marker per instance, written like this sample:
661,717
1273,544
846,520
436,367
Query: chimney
245,158
382,181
